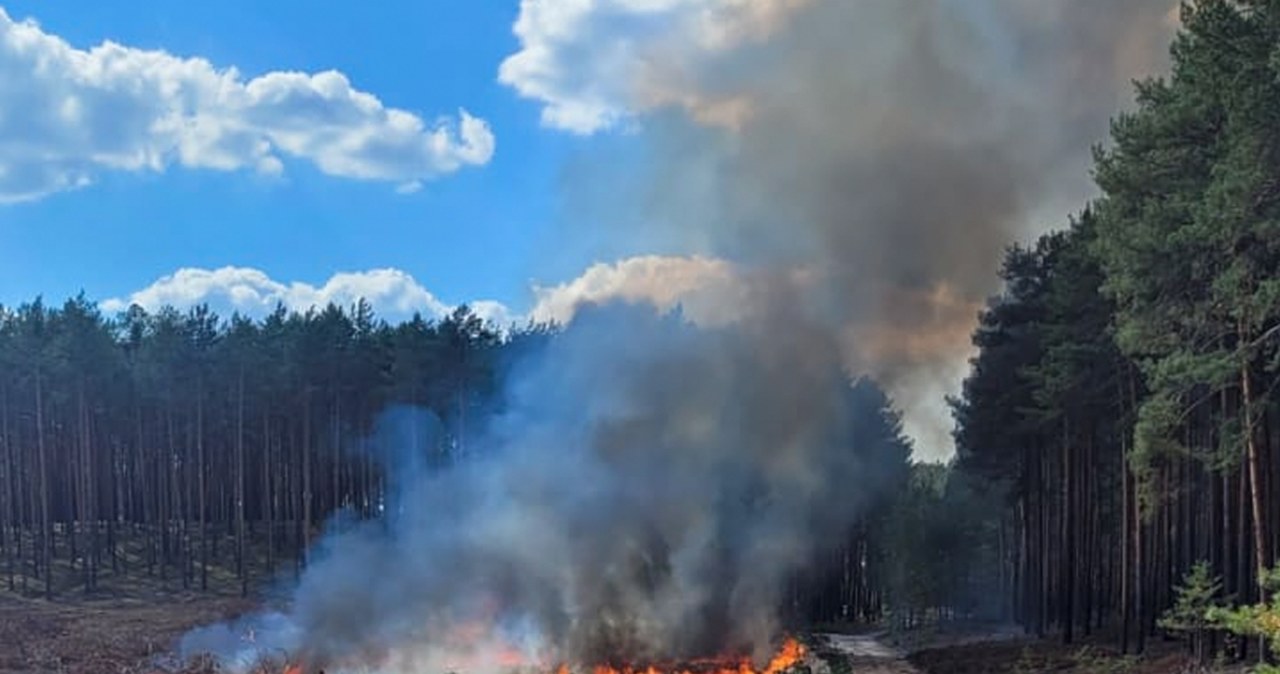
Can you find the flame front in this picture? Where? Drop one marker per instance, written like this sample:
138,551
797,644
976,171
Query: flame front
791,654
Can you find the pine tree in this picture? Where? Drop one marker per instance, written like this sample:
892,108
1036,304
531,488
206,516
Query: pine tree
1192,614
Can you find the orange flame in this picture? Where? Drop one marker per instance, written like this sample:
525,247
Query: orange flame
791,654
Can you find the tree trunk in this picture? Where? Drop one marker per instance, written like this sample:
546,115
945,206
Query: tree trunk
46,528
202,496
1068,553
306,477
86,473
335,497
1255,469
239,488
14,546
1139,575
269,490
1126,554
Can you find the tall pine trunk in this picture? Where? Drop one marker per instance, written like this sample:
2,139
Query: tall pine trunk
1257,512
86,472
46,526
269,489
13,547
241,566
202,497
306,478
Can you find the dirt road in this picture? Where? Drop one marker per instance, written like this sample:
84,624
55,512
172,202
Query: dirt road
868,654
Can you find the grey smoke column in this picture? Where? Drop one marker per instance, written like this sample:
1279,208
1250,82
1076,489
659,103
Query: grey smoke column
892,148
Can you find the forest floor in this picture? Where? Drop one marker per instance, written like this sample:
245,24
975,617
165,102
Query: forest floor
126,636
98,636
1025,656
129,619
993,650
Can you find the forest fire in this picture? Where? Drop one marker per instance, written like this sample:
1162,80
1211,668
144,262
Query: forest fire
790,654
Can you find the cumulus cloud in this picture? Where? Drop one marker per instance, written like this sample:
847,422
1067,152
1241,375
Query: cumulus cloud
118,108
392,293
707,290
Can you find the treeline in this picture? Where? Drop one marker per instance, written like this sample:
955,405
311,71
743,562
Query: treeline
860,577
1124,397
183,450
167,444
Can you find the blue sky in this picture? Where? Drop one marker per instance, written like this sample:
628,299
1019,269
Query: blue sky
474,233
511,154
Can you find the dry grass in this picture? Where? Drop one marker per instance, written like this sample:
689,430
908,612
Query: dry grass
131,618
116,637
1028,656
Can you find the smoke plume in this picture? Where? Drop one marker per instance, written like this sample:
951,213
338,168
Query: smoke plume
888,149
650,486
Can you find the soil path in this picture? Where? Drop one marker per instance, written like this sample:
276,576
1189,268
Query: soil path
868,654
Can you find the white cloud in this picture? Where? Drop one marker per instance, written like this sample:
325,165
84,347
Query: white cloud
706,289
392,293
596,63
497,313
74,113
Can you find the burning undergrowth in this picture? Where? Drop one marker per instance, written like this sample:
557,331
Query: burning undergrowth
790,656
643,496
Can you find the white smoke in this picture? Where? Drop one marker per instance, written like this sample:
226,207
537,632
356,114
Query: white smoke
646,491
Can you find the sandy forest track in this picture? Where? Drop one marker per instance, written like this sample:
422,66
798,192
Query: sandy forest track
868,654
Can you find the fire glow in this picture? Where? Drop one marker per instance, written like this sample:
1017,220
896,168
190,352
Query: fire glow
789,655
